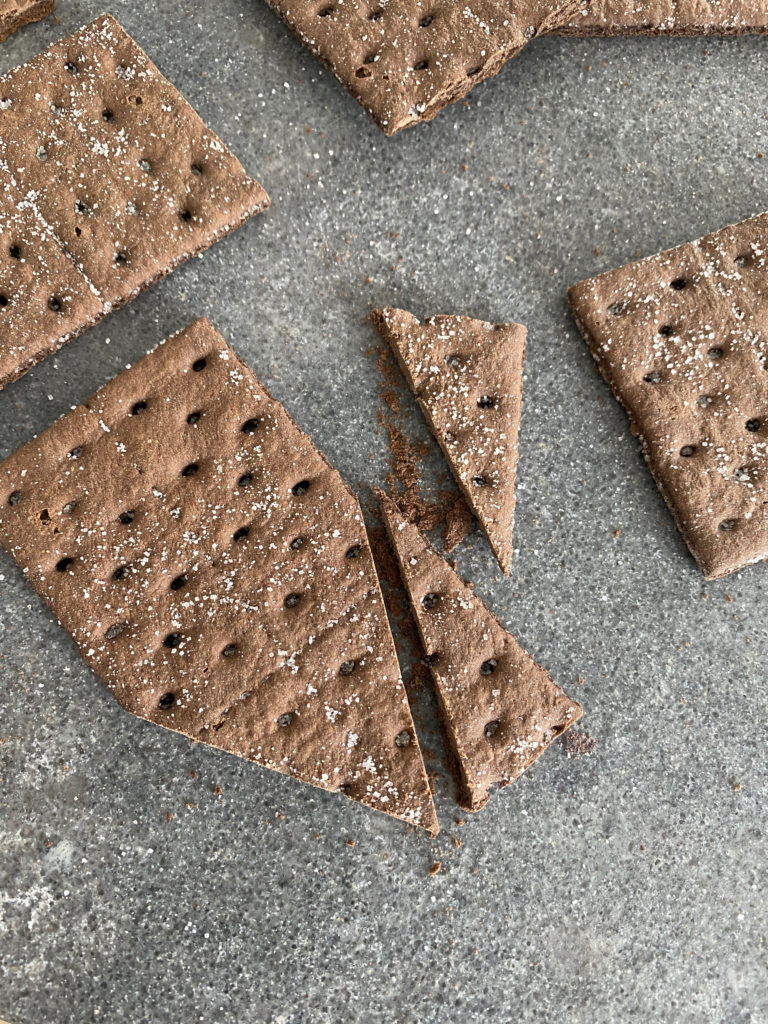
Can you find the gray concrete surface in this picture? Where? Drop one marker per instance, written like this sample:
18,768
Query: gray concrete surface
622,887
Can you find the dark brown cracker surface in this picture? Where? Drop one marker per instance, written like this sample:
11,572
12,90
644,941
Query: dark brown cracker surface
682,338
468,378
117,170
215,572
500,710
404,60
669,17
15,14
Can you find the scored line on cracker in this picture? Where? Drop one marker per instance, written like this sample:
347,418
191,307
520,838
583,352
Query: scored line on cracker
215,572
108,181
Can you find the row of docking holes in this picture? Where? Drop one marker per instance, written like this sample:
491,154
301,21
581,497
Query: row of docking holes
169,699
429,603
378,15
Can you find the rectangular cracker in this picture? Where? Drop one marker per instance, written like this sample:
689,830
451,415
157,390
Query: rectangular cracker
404,60
215,572
116,169
669,17
682,339
15,14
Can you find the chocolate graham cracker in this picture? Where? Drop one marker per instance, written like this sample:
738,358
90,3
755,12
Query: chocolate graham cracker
467,376
15,14
499,709
669,17
682,339
108,180
404,60
214,571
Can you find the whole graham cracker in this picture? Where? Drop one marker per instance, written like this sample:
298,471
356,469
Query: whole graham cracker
110,163
467,376
15,14
682,339
215,572
499,709
404,60
669,17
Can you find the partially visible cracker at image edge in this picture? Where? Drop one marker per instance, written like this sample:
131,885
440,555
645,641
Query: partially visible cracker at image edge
214,571
15,14
682,339
669,17
115,166
405,60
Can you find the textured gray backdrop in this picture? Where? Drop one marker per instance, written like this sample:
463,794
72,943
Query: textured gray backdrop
623,887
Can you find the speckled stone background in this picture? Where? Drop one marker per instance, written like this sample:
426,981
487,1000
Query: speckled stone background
623,887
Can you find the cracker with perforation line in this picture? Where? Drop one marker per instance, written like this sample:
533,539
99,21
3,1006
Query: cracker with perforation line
215,572
682,339
105,161
404,60
15,14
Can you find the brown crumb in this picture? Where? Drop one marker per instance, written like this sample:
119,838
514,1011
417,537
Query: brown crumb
459,821
47,844
456,841
351,842
617,533
279,816
458,519
169,816
575,742
737,787
437,866
192,773
217,790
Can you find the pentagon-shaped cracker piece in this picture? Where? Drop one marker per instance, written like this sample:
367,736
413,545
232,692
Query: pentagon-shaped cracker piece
244,613
467,376
404,60
682,339
499,709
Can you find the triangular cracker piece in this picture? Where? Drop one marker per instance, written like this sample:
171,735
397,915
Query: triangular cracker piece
468,378
499,709
214,570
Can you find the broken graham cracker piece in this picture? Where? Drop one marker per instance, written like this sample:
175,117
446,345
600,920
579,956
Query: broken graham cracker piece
215,572
682,339
669,17
115,168
499,709
15,14
404,60
467,376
